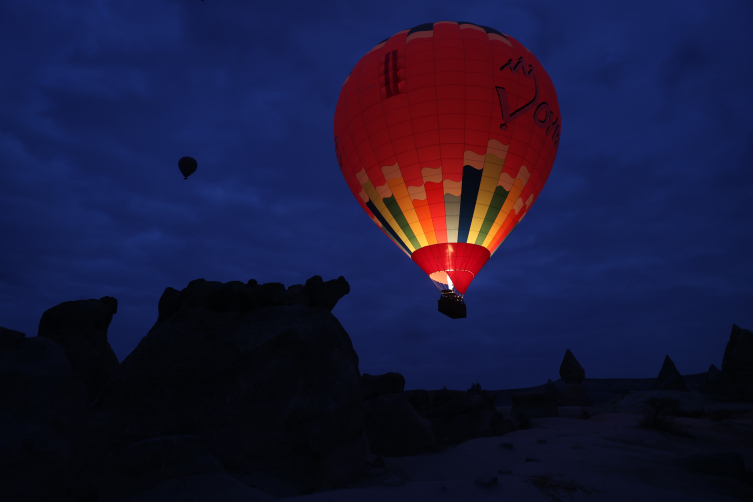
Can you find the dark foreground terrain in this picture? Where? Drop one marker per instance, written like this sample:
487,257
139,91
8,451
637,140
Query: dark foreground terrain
252,392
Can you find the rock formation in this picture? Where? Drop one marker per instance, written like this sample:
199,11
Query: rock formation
570,370
244,392
534,404
395,429
737,364
325,294
475,389
266,377
573,374
41,414
234,296
574,395
393,426
669,378
717,383
550,386
80,327
378,385
458,416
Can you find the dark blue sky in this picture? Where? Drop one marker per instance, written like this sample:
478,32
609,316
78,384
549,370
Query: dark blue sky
640,244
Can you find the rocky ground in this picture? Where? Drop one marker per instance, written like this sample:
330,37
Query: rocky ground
604,458
252,392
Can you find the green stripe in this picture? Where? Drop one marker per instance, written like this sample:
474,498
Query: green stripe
397,213
386,228
495,206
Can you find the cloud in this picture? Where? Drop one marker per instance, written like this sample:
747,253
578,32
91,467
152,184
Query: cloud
638,245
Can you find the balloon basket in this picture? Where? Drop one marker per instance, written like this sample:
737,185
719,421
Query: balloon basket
452,305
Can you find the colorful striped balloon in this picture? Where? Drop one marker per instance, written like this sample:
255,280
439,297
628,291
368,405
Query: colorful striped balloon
446,134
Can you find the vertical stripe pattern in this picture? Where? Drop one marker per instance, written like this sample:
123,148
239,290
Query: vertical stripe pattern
446,134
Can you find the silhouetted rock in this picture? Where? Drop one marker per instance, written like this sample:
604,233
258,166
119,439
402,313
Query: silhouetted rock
326,294
539,404
80,327
274,389
499,425
394,428
551,387
234,296
669,378
738,362
377,467
10,338
574,395
475,389
712,374
570,370
297,293
717,383
457,416
392,425
144,465
378,385
41,414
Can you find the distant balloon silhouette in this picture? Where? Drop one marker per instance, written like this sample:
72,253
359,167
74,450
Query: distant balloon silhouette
187,166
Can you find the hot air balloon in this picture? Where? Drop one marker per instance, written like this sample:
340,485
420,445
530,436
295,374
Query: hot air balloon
446,134
187,166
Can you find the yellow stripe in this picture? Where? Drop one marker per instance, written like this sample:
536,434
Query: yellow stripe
489,178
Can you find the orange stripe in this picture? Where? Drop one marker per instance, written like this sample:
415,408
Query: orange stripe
435,200
424,216
504,230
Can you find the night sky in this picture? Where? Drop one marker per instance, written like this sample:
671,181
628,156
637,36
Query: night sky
640,244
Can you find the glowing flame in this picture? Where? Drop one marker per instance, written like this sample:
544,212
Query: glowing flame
449,282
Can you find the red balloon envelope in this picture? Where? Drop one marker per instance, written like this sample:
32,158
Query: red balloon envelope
446,134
